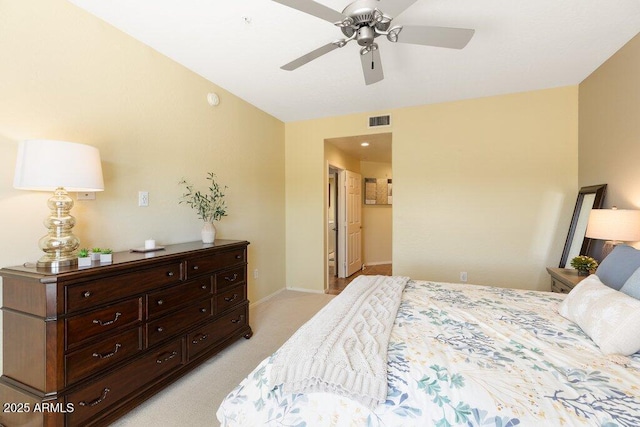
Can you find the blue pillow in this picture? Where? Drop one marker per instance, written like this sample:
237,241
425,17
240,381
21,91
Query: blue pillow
632,286
618,266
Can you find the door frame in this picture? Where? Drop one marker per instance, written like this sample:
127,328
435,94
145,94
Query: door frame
341,243
340,218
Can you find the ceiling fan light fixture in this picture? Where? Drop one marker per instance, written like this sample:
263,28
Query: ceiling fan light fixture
346,22
392,34
380,18
369,48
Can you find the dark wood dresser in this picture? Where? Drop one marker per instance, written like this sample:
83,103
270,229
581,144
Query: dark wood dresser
82,346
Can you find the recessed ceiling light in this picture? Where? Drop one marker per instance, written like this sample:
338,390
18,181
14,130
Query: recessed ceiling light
364,144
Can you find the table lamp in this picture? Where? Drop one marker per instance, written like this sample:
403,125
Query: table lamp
58,166
613,225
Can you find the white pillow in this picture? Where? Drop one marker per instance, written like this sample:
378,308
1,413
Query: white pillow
609,317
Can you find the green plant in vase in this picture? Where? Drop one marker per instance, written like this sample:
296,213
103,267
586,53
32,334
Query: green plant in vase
210,205
106,256
584,264
84,259
95,254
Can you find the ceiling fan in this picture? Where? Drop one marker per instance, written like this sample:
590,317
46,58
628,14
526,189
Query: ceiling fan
363,21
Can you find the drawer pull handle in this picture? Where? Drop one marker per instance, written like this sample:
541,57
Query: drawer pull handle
231,279
86,294
239,319
195,267
170,273
160,302
96,401
197,340
166,359
204,286
230,299
239,256
203,310
109,322
160,329
108,355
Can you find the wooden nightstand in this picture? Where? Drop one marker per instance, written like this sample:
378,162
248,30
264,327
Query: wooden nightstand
564,279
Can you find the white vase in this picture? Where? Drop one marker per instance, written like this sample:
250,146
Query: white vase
208,232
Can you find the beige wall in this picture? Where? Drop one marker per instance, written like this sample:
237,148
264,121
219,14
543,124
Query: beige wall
339,159
610,128
377,220
67,75
485,186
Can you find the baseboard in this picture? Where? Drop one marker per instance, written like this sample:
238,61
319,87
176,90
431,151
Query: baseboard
310,291
377,263
267,298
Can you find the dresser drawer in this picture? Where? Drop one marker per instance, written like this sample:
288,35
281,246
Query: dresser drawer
131,379
178,296
216,331
559,287
116,316
91,359
179,321
89,294
229,278
231,297
209,264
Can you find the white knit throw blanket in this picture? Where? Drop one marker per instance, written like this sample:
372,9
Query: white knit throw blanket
343,348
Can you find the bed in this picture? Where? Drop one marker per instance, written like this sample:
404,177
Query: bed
460,354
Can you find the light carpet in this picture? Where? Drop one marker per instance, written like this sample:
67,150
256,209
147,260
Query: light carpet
193,400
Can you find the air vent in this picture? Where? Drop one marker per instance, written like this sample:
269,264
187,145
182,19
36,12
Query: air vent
379,121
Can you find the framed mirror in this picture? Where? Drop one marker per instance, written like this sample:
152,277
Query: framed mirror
576,244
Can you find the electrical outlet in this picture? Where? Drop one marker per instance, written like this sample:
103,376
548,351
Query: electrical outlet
86,195
463,276
255,273
143,198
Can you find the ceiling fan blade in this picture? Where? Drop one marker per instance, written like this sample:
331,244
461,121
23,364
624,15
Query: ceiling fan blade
316,9
372,67
310,56
453,38
395,7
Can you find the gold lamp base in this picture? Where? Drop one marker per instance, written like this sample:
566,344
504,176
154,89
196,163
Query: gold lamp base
59,245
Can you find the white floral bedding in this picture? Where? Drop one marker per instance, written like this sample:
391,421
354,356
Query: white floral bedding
468,355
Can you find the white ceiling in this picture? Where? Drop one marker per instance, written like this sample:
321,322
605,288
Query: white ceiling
519,45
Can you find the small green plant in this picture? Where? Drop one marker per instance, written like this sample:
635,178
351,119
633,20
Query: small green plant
83,253
210,205
584,264
96,250
106,251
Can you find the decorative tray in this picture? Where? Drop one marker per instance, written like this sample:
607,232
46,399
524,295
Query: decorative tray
145,250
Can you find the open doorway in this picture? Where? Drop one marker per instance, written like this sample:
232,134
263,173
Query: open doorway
353,241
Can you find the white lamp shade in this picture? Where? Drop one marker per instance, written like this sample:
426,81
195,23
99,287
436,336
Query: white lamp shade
614,224
45,165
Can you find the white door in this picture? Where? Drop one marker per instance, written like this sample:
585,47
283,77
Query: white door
353,222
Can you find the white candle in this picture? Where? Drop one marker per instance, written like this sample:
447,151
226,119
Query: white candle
149,244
